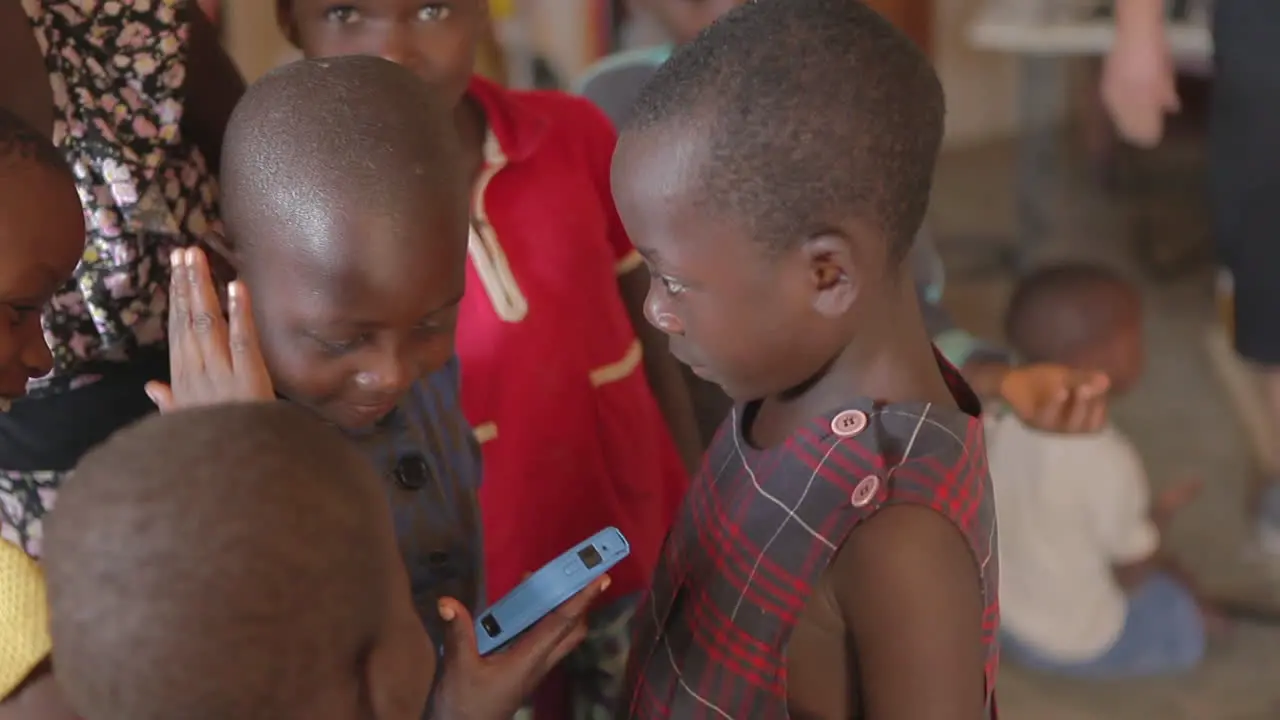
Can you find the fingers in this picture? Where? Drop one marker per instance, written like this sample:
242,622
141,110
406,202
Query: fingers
1085,407
567,644
161,395
246,356
206,314
179,313
460,646
1176,497
560,631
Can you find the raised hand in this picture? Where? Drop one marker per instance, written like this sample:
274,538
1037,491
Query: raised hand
212,359
1058,399
1139,86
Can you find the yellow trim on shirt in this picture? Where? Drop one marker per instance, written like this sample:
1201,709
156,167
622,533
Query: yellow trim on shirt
615,371
487,256
485,432
629,262
24,617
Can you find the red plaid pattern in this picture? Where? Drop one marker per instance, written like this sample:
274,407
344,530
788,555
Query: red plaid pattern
758,529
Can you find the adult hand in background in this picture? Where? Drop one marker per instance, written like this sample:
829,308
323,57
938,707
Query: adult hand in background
1139,84
212,359
1056,398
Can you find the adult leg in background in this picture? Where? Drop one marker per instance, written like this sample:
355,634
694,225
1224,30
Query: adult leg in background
1244,161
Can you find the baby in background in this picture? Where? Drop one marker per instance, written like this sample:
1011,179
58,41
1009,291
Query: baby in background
1086,587
233,561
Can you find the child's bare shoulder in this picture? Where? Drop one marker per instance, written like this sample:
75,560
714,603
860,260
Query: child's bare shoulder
910,596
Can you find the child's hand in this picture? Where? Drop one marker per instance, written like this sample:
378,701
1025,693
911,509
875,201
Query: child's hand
211,361
495,687
1056,398
1215,620
1172,499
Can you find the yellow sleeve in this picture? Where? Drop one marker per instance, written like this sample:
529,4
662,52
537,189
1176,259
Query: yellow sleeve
24,617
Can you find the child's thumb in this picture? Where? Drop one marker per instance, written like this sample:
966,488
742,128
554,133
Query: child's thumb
161,395
460,646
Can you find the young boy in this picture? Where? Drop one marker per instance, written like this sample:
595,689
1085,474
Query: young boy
344,197
835,556
41,238
1086,588
232,561
581,411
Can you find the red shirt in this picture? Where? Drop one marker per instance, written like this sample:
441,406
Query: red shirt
552,374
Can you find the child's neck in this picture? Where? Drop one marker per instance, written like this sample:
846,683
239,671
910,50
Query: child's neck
891,361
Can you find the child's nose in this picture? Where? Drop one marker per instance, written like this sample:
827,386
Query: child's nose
37,358
389,376
397,46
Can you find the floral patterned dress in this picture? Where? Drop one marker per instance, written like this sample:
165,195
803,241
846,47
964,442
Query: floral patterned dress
117,70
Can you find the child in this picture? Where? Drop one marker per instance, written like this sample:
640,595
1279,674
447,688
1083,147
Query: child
343,195
566,384
135,95
233,561
41,238
834,558
1085,586
1051,398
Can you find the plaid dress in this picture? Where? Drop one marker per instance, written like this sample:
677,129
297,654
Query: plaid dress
759,528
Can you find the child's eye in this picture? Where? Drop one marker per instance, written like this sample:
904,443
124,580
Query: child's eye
671,285
341,347
438,323
15,315
343,14
434,12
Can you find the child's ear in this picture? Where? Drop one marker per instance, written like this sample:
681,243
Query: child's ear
285,21
832,272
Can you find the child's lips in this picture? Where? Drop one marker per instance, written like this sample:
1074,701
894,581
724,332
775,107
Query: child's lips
372,412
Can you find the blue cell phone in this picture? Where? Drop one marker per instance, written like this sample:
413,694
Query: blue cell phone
548,588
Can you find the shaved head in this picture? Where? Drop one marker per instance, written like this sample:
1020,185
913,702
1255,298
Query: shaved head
346,201
218,563
316,141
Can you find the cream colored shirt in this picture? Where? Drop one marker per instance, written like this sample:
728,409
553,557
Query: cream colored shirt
1071,508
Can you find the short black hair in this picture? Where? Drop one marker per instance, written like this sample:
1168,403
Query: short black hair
215,563
20,141
317,135
1059,310
815,111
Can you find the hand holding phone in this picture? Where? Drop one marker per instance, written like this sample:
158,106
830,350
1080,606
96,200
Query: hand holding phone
545,590
495,687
